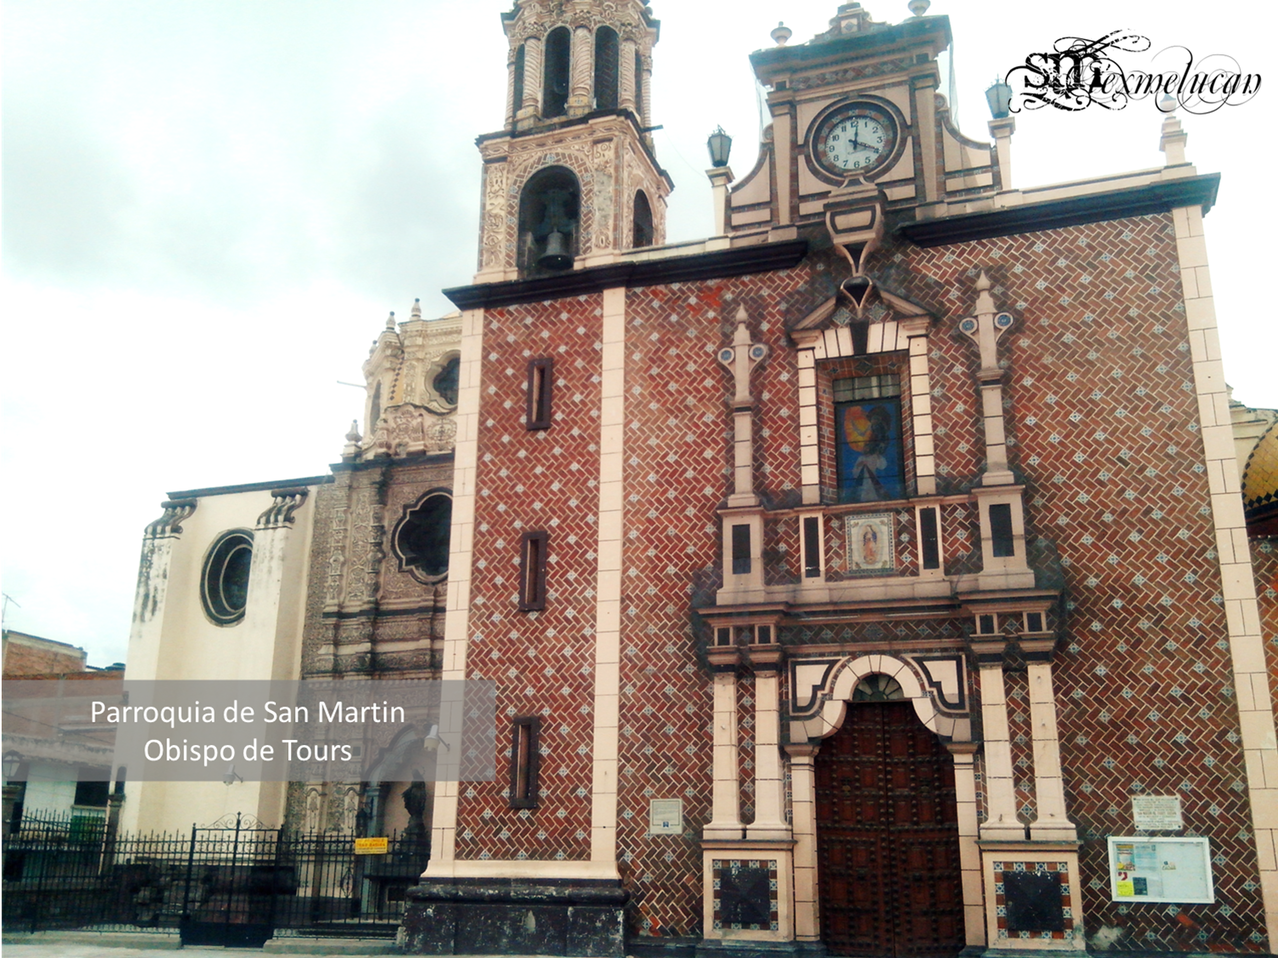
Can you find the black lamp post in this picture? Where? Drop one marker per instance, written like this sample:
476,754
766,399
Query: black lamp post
12,810
999,97
720,145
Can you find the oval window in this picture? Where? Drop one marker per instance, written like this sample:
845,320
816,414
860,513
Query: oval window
224,584
421,538
445,382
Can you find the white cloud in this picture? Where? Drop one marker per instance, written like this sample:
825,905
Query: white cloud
210,206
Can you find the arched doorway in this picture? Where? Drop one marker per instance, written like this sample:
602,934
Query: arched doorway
887,833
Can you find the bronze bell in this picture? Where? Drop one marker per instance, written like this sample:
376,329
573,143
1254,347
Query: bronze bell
557,254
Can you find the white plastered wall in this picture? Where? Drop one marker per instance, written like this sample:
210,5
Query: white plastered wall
188,646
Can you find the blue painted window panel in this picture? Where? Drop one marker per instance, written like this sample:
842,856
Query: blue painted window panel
871,454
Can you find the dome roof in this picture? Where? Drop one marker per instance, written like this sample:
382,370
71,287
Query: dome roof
1260,482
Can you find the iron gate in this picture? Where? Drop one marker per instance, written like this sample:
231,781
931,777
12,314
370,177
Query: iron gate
235,882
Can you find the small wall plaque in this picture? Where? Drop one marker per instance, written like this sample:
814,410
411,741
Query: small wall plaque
1154,813
665,816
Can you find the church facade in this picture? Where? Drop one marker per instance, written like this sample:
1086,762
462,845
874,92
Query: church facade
871,577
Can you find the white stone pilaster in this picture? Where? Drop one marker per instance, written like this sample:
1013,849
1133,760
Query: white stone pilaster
1000,788
460,559
1238,584
1049,786
769,777
807,919
725,807
969,853
147,627
607,704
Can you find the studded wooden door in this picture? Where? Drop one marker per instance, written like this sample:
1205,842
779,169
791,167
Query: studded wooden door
887,838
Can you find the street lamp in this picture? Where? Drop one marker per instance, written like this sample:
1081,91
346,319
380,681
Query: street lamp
720,145
11,762
999,97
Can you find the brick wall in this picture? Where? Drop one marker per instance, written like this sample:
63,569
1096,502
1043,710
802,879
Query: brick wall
542,662
1102,423
26,655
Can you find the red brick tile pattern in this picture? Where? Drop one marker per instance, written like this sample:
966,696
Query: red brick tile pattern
1103,424
678,431
1264,559
1021,734
542,662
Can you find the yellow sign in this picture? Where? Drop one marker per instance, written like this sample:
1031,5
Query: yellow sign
371,846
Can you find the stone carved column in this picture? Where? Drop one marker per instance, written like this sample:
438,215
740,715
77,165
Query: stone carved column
645,108
581,93
512,107
627,99
533,80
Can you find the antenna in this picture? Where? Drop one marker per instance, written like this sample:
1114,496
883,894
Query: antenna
5,607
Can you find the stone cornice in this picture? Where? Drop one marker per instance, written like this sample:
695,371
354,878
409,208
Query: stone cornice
1078,210
718,264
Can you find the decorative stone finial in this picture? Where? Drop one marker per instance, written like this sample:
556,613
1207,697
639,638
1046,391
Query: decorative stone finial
982,282
417,309
782,34
350,452
1173,139
390,320
919,7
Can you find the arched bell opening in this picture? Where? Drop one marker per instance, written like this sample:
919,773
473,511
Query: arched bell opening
643,228
517,96
607,69
549,220
557,73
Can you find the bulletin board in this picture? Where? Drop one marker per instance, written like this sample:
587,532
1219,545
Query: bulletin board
1143,869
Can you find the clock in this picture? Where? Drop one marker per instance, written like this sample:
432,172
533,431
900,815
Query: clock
855,139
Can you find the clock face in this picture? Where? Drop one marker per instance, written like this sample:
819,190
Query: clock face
855,140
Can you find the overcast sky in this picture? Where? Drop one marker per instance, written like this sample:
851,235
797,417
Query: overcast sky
211,205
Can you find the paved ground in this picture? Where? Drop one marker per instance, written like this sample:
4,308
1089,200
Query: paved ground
80,945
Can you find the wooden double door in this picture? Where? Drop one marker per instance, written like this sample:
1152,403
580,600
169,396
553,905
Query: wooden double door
887,837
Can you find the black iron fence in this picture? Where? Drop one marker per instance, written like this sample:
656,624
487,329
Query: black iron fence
231,883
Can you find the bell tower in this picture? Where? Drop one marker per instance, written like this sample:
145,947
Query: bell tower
571,180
